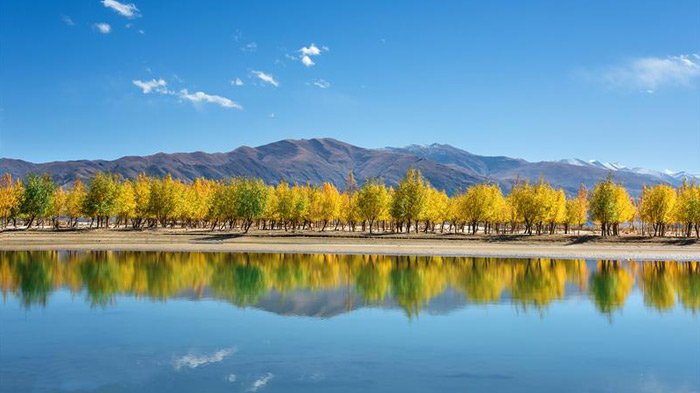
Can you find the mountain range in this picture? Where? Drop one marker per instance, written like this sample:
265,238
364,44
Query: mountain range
326,159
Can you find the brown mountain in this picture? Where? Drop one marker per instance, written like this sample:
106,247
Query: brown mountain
326,159
300,161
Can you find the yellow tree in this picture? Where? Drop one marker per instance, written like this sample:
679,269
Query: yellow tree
182,195
201,190
610,205
576,209
454,211
75,202
482,203
125,205
142,197
10,198
300,205
349,210
162,203
688,208
58,206
556,209
530,204
372,202
657,207
474,206
271,212
329,204
314,213
626,209
223,206
285,203
386,215
409,199
436,208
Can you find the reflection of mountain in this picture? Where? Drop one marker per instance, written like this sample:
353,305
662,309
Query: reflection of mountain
323,304
329,303
333,302
328,285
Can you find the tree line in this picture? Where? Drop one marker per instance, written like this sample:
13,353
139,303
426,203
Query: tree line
109,201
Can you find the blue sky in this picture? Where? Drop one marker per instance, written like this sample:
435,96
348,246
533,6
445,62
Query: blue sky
614,81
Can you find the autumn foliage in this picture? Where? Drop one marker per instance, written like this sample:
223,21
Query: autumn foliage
108,201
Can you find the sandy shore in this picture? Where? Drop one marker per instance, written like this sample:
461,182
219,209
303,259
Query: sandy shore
342,243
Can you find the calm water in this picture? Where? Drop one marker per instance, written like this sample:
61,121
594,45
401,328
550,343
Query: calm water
205,322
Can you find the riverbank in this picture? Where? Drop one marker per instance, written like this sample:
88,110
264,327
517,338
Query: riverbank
557,246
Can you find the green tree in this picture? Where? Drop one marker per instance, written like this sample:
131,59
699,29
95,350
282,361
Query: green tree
102,194
36,200
250,201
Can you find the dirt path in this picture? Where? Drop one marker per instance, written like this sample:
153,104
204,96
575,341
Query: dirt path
342,243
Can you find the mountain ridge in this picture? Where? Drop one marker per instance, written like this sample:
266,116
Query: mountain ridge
327,159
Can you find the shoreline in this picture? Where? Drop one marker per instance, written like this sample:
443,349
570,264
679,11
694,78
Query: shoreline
553,246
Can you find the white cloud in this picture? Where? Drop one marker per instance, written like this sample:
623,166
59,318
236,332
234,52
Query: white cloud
311,50
128,10
260,382
322,83
237,82
231,377
158,86
103,28
200,96
306,60
649,74
267,78
308,51
194,361
250,47
67,20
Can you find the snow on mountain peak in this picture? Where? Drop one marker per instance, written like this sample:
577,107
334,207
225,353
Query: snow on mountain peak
616,166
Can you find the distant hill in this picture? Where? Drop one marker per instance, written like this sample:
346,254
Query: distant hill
568,174
326,159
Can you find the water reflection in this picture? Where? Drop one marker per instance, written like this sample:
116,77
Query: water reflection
325,285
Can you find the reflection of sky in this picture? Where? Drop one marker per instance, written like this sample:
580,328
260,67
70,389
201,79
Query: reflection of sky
132,344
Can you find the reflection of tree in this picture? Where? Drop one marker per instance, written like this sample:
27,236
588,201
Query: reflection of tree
407,288
663,282
412,281
242,284
610,285
538,282
372,282
483,280
689,285
657,284
101,279
34,279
